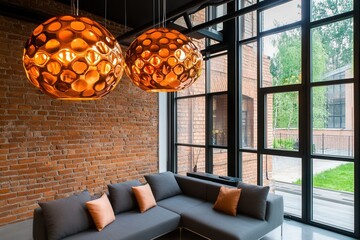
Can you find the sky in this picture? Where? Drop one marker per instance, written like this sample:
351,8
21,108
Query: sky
280,15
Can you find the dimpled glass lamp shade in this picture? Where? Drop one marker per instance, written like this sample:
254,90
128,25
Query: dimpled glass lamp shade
73,57
163,60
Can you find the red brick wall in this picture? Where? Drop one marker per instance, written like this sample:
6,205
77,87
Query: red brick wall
50,148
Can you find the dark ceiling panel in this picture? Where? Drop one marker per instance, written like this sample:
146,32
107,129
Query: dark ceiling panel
139,12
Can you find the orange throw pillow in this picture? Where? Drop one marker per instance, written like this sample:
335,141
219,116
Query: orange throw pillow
227,200
144,197
101,212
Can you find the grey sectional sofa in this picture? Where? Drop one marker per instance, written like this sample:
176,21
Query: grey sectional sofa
182,202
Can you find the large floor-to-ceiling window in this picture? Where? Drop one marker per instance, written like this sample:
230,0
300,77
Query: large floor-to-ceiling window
281,107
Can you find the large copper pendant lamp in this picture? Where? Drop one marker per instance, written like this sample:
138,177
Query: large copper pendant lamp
73,58
163,60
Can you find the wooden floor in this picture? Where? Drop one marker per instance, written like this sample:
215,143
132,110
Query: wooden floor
292,230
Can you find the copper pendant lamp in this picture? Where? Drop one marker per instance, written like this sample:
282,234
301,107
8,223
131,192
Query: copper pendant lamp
73,58
163,60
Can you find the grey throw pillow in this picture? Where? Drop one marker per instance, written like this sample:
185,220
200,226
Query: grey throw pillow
253,200
122,197
67,216
163,185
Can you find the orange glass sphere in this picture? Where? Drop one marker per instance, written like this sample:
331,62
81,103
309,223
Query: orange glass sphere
73,57
163,60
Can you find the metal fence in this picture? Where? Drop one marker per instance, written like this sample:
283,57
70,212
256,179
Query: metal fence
323,143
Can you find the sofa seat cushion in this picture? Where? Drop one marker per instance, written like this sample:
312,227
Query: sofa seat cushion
133,225
212,224
180,203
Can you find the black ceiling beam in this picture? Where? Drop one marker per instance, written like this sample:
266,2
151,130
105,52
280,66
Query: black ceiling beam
212,34
187,20
229,16
222,2
219,47
23,13
170,15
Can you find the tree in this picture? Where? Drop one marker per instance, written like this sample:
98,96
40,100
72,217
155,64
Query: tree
331,49
337,37
285,68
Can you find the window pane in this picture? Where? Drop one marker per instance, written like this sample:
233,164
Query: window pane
282,121
246,3
281,58
219,162
248,25
198,17
188,158
333,120
220,11
283,175
191,120
333,193
249,95
326,8
332,51
218,74
219,120
290,12
249,167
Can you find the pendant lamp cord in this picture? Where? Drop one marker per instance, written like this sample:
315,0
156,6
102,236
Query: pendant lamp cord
161,20
75,7
159,14
164,14
125,16
153,13
105,13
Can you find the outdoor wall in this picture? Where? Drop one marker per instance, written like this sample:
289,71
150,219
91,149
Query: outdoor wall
49,148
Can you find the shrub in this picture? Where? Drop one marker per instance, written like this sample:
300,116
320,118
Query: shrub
286,143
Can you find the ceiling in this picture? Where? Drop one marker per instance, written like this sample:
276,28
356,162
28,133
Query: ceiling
139,14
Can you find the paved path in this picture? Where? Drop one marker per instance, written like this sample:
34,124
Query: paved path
330,207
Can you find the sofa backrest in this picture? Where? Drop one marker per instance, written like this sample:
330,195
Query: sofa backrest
198,188
163,185
122,197
39,227
253,199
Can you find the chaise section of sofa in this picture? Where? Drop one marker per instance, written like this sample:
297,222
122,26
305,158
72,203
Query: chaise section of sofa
195,205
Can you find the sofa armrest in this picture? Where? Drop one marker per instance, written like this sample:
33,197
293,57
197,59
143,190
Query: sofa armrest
274,210
39,227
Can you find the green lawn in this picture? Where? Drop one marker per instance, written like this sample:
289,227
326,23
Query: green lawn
340,178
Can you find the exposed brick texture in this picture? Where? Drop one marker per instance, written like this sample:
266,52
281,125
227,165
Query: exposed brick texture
49,148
